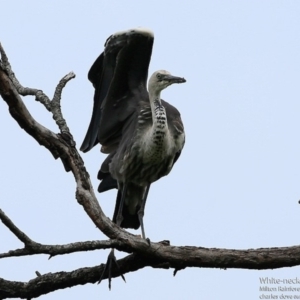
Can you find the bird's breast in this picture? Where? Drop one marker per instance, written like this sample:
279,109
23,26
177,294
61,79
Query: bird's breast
150,153
150,158
156,147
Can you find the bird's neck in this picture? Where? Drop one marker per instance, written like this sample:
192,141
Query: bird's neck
159,116
157,135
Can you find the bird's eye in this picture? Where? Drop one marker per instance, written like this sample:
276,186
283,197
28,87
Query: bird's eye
158,76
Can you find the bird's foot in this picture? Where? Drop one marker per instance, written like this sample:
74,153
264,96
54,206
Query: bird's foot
165,242
146,239
111,260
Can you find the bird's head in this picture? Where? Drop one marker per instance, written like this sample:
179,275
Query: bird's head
162,79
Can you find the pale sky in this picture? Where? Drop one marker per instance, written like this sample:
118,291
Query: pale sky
237,182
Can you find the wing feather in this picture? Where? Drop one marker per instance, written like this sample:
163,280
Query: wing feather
119,76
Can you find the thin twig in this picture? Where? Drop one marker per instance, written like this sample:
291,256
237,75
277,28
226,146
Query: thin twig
24,91
14,229
55,104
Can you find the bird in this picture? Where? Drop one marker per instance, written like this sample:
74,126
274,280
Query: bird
142,134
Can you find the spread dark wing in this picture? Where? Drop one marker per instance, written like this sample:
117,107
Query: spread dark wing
119,76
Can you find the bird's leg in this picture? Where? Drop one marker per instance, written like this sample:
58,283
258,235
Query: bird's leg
119,217
142,209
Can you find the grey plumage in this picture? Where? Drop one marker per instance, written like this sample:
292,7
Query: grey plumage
142,134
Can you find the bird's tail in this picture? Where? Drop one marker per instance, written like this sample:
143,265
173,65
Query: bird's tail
132,204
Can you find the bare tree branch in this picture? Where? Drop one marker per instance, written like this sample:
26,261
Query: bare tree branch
51,105
54,250
32,247
14,229
24,91
50,282
55,104
44,284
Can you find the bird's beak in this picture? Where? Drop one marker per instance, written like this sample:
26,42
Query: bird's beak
174,79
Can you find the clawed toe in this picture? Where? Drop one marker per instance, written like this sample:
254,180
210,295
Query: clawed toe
111,260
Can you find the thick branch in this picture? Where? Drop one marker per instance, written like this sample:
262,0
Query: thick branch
227,258
50,282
